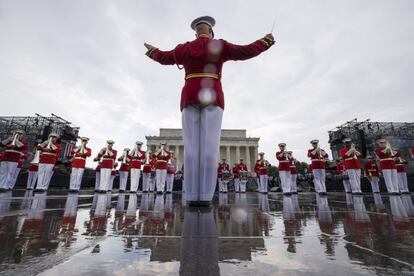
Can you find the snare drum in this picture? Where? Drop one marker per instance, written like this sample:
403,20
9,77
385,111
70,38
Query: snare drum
226,177
243,176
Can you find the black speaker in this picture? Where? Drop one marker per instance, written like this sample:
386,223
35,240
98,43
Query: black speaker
46,131
362,141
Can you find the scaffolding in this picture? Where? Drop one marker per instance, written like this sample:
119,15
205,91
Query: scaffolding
37,129
365,134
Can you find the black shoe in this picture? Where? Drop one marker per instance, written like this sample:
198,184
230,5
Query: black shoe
132,192
199,203
405,193
2,190
29,189
121,191
39,190
169,192
145,192
395,193
287,194
358,193
73,191
322,193
159,193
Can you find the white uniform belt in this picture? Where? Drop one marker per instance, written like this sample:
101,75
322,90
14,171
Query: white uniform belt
14,151
80,158
108,159
320,160
284,161
399,164
49,153
387,159
352,158
372,170
161,161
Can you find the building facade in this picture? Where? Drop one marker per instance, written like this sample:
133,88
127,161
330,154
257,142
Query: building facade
234,145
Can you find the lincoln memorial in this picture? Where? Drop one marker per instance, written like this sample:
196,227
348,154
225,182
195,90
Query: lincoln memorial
234,145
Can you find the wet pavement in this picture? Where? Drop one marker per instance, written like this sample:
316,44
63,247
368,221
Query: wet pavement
241,234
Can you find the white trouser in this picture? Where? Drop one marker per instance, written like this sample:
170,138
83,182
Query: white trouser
398,211
288,212
170,182
324,212
144,201
135,175
201,136
111,182
31,180
123,178
243,186
76,178
347,185
13,182
7,171
237,185
391,180
263,183
160,176
105,178
132,206
402,182
293,184
354,179
44,175
222,186
408,204
97,180
349,200
146,177
378,201
120,205
285,181
152,184
319,180
375,184
264,203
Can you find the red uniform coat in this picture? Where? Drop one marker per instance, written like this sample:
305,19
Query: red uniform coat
171,169
241,167
284,163
400,163
318,161
148,168
261,169
79,159
222,167
387,161
124,167
350,161
98,168
49,156
136,161
340,168
33,167
371,168
108,161
205,55
293,168
13,153
162,160
235,171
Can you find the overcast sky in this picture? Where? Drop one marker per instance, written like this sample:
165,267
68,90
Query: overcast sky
84,60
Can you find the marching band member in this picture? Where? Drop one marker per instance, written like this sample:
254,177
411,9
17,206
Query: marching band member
294,174
284,168
242,171
137,157
223,167
372,173
112,178
80,154
318,157
146,173
153,161
400,164
340,168
33,169
123,170
163,156
17,172
236,178
97,176
260,168
352,165
171,169
106,157
15,148
387,164
49,154
202,100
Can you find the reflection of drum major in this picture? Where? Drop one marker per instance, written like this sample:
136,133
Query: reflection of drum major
225,177
243,176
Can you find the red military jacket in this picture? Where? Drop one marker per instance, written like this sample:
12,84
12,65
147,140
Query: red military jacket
235,171
241,167
400,163
293,167
79,159
147,168
350,161
137,159
98,168
124,166
284,163
49,156
318,162
107,161
222,167
371,168
13,153
205,56
162,160
33,167
387,161
171,169
261,169
340,168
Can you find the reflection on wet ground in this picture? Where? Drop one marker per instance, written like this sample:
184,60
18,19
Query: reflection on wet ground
242,234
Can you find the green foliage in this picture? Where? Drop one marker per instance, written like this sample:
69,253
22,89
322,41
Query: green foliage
273,171
302,167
